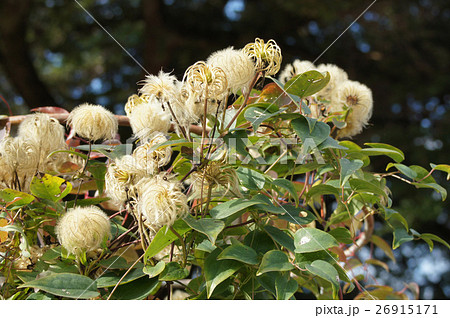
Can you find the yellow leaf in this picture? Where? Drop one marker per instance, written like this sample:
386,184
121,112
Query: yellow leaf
3,234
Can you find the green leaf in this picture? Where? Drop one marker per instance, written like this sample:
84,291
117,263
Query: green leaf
318,134
210,227
257,115
407,171
216,271
98,171
331,143
300,217
289,186
260,241
228,208
285,288
14,198
342,235
326,271
173,271
112,152
164,237
111,278
359,185
429,236
311,240
280,237
139,289
442,167
322,189
66,285
401,236
348,167
153,271
441,190
274,261
394,215
241,253
86,202
50,187
383,151
307,84
394,152
251,179
114,262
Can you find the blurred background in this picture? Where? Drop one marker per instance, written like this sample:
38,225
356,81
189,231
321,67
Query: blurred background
52,53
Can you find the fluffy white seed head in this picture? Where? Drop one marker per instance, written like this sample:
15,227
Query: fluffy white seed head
358,97
238,67
121,177
206,81
266,56
93,122
161,201
337,77
19,154
162,86
296,68
83,229
147,117
217,176
48,136
153,158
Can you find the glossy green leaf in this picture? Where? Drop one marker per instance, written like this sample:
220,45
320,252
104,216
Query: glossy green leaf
319,133
429,236
342,235
111,278
394,152
173,271
401,236
326,271
50,187
114,262
66,285
216,271
289,186
153,271
98,171
348,167
285,288
322,189
280,237
228,208
164,237
210,227
442,167
251,179
241,253
311,240
359,185
307,84
439,189
274,261
394,215
139,289
112,152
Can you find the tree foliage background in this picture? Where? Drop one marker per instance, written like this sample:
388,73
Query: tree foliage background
52,53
